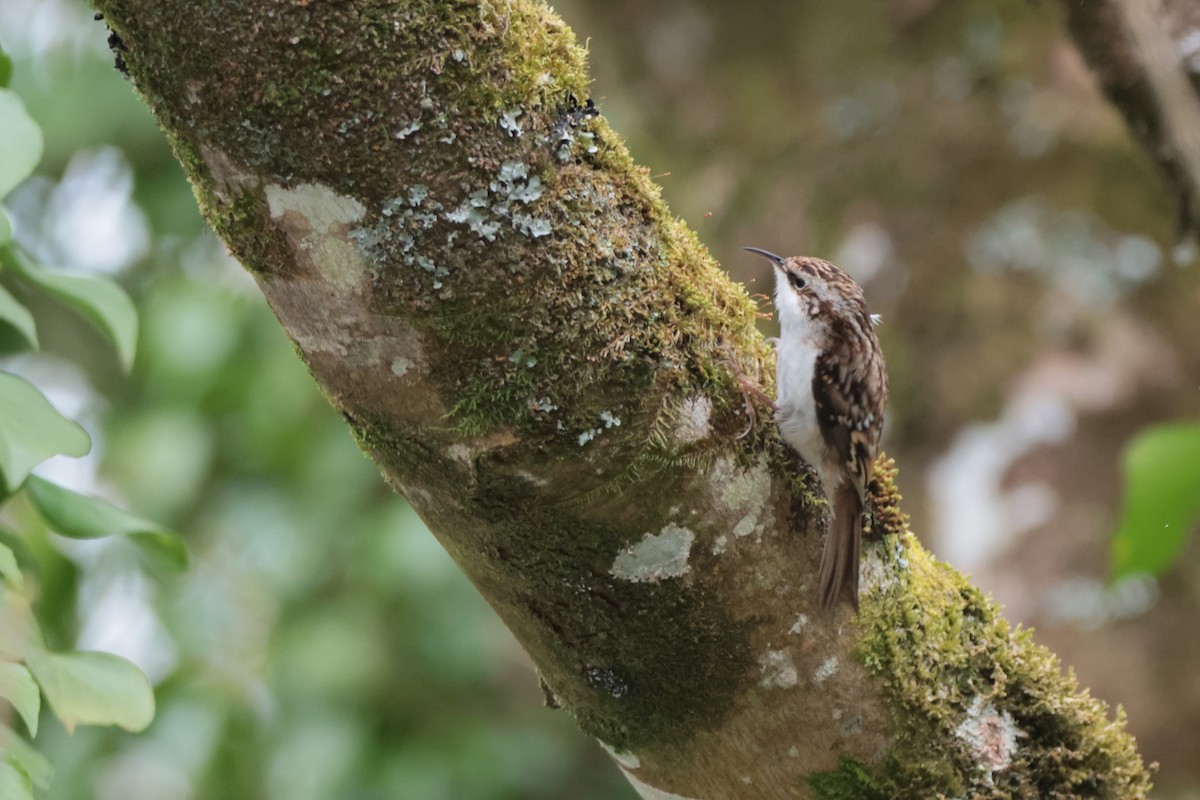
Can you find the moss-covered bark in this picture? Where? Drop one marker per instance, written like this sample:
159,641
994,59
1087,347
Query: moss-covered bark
547,365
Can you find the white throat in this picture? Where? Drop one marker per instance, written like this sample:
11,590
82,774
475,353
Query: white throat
795,361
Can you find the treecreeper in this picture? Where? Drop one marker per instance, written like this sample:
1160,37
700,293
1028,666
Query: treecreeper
831,386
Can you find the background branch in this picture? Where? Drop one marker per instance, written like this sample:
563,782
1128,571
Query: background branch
1146,54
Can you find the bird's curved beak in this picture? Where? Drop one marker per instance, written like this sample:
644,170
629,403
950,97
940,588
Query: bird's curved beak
767,254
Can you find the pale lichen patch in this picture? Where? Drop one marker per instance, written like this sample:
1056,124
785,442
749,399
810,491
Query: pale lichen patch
799,625
508,122
648,792
693,422
779,670
317,220
526,475
460,453
742,490
656,557
827,670
400,366
990,734
746,525
626,759
323,209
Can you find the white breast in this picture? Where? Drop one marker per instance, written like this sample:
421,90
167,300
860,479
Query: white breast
796,358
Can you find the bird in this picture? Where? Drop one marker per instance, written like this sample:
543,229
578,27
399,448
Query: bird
831,391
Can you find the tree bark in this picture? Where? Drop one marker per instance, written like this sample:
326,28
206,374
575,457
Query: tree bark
549,367
1146,54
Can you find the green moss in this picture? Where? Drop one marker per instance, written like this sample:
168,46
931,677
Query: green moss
534,559
850,780
630,305
941,651
307,85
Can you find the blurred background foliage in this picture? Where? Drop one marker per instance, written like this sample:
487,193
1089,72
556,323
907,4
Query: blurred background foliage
954,156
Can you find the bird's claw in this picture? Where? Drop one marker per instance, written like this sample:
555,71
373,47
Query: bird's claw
750,392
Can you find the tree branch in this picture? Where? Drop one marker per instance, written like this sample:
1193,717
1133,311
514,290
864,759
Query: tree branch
1146,54
547,365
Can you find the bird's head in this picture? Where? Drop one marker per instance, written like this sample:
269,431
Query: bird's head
809,288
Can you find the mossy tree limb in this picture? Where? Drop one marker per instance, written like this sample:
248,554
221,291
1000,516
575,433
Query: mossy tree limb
548,366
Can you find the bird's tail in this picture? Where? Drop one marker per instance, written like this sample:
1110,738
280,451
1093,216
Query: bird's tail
839,561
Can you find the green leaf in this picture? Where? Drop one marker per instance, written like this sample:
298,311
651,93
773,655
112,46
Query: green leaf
5,69
5,226
9,569
13,783
21,144
19,754
82,516
31,431
17,315
98,300
1162,499
93,689
18,688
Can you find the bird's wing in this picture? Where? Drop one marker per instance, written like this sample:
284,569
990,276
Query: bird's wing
849,394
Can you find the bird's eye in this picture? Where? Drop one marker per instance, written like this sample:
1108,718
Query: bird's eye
796,281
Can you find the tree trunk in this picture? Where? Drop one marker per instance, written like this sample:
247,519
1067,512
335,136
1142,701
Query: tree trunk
550,367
